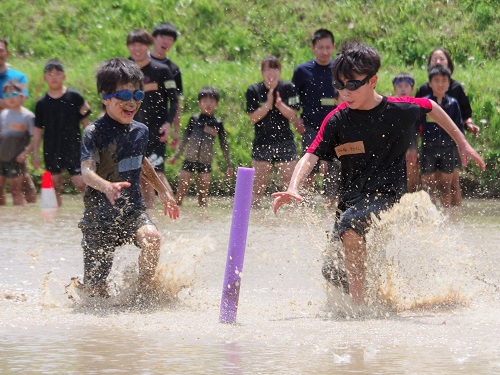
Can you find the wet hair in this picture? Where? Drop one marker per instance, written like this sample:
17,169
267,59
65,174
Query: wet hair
355,58
139,36
117,72
13,85
439,70
5,42
451,66
165,28
271,62
322,34
208,92
403,77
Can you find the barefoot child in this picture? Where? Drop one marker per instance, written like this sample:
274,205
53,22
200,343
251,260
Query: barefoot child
370,134
113,163
16,129
199,139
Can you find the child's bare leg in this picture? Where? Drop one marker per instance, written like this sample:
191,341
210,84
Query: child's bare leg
444,182
57,180
29,189
355,258
456,192
3,200
78,183
149,241
412,170
429,185
16,189
203,186
261,179
183,186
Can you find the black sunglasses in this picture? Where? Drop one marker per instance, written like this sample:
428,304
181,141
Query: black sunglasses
125,95
351,85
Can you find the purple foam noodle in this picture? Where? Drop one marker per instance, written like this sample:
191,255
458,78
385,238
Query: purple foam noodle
237,243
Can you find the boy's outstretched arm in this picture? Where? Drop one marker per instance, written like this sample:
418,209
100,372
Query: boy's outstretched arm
465,149
300,173
165,192
92,179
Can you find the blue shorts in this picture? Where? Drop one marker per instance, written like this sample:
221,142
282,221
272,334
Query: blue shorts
443,159
355,214
194,166
57,165
276,153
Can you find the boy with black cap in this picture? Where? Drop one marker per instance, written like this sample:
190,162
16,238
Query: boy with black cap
58,115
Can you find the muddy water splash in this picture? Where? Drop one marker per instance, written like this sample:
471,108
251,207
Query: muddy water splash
416,257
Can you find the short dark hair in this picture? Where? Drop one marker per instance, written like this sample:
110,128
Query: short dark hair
322,34
165,28
139,36
53,64
271,62
403,77
13,85
451,66
208,92
355,58
439,70
118,71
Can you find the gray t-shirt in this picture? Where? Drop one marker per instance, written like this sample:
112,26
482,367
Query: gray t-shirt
16,129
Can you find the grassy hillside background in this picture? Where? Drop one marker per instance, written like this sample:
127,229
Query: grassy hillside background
223,42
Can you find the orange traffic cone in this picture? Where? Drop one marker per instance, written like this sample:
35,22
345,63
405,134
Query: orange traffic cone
48,198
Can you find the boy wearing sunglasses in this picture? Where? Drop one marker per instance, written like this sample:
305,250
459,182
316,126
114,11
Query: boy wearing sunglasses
114,162
369,133
16,129
58,115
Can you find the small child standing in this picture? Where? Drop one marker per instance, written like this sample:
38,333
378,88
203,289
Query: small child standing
113,163
404,84
58,115
439,155
16,129
199,138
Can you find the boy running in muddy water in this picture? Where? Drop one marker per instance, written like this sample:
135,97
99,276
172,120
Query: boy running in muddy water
113,163
370,134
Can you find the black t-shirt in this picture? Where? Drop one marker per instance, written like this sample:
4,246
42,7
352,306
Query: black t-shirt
118,150
274,127
371,145
456,90
161,102
176,71
60,118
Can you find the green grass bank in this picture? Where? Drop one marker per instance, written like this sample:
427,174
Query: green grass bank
222,43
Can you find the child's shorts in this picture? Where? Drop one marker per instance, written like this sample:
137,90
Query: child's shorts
355,214
276,153
100,241
438,158
11,169
194,166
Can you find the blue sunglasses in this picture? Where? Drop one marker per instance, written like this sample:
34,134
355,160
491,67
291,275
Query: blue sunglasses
13,94
126,95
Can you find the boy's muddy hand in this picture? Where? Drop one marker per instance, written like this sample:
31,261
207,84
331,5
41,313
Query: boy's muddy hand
113,190
467,153
281,198
171,208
